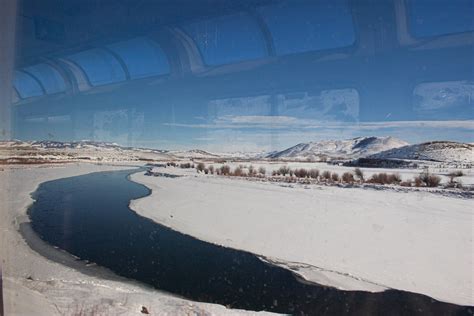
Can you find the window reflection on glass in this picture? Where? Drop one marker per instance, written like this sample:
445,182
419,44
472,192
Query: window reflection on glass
334,105
364,135
48,76
46,127
26,85
436,17
449,99
227,39
300,26
100,66
120,126
266,122
252,105
143,57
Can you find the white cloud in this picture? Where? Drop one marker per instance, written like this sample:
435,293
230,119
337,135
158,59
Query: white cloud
288,122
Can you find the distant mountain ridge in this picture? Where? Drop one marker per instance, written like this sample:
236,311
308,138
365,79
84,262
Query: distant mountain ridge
80,144
73,144
58,144
193,153
343,149
350,149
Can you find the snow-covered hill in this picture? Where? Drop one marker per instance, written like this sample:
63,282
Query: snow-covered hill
344,149
15,151
443,151
193,153
73,145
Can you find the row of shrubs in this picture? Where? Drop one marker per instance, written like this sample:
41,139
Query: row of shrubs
315,174
225,170
425,179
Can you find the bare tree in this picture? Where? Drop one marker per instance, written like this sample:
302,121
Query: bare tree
326,175
301,173
359,174
238,172
348,177
380,178
430,180
225,170
200,166
453,175
394,178
252,171
406,183
418,182
314,173
284,170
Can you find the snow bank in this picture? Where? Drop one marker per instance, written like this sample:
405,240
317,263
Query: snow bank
348,238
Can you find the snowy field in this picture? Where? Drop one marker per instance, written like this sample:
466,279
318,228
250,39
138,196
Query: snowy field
405,174
350,238
34,285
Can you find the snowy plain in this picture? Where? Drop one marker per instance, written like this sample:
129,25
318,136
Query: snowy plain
349,238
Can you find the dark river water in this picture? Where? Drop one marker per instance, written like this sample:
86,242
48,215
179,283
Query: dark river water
88,216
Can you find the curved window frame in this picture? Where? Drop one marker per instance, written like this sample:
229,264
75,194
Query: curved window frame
351,45
157,51
32,79
266,52
48,89
412,33
91,81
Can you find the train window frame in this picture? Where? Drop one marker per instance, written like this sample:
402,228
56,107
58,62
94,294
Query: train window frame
45,83
407,38
410,25
103,51
265,49
154,45
349,47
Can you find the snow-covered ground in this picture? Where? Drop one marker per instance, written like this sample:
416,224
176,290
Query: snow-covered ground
350,238
34,285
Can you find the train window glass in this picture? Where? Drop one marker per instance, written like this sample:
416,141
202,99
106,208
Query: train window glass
434,17
450,99
241,118
252,105
159,149
332,105
300,26
26,85
118,125
50,78
143,57
100,66
47,127
227,39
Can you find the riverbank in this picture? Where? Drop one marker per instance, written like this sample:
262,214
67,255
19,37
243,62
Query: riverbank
349,238
36,285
